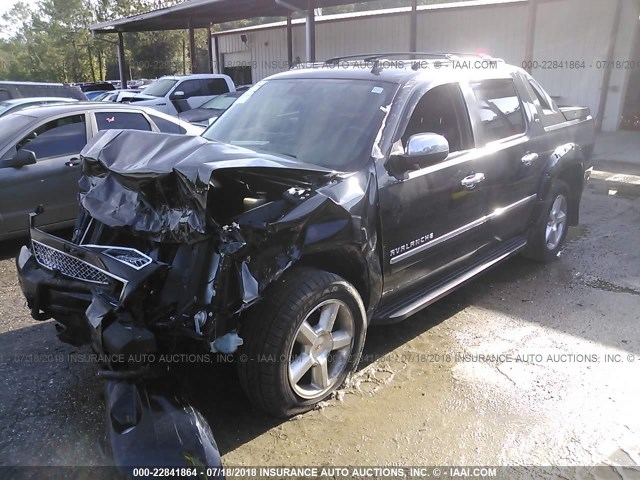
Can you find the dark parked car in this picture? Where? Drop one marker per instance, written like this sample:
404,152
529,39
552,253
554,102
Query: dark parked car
96,87
325,200
39,156
209,111
9,90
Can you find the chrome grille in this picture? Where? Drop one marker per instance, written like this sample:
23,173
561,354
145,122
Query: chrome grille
67,265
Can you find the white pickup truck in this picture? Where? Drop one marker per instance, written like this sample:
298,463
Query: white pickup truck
178,93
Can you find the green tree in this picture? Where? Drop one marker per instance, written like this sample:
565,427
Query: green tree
51,42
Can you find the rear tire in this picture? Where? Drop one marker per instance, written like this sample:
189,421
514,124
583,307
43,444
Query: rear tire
548,234
301,342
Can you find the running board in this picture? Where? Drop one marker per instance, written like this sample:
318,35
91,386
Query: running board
398,311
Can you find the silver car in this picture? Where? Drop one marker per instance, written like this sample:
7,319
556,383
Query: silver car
16,104
39,156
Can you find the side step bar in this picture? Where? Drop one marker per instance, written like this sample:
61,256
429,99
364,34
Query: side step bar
398,311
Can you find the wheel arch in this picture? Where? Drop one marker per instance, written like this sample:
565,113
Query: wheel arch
350,263
566,164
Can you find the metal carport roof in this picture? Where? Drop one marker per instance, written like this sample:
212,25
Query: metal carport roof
204,13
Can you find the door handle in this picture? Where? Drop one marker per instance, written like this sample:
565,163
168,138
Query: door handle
529,158
471,181
73,162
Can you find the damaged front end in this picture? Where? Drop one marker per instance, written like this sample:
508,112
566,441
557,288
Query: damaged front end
175,239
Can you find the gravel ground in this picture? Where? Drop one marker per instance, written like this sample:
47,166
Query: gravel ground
563,390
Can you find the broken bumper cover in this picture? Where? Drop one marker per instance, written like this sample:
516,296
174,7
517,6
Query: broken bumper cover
148,426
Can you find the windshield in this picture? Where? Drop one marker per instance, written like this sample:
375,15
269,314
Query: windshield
328,122
101,97
11,125
160,88
5,107
221,102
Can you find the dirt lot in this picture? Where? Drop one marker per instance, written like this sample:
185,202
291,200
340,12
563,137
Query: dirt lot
563,391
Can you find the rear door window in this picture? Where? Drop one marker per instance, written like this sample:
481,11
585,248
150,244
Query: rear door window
124,120
501,111
166,126
60,137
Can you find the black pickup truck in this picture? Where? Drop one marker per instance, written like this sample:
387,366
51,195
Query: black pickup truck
326,199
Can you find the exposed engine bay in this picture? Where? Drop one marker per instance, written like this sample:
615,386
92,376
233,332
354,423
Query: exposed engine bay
177,237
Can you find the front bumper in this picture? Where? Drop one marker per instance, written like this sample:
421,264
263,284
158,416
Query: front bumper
86,289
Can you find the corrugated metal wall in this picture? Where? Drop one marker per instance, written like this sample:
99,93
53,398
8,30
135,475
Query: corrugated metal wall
497,30
565,30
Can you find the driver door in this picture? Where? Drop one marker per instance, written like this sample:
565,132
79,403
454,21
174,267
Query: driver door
192,95
52,181
433,221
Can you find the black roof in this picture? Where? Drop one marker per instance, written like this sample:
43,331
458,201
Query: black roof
399,70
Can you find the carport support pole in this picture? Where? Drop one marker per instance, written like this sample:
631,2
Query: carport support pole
121,61
210,48
311,31
413,27
192,49
289,42
606,78
531,34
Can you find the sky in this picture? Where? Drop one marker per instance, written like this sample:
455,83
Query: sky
5,5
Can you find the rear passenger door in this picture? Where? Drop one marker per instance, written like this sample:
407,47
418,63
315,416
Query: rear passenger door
52,181
433,222
513,166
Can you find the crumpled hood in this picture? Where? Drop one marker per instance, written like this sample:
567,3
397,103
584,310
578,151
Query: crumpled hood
157,183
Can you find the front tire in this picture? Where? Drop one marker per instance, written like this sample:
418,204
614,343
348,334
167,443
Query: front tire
549,232
301,342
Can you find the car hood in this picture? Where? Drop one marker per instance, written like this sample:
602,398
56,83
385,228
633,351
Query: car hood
157,184
200,114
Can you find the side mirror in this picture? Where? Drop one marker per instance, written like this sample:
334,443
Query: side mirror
20,159
423,149
178,95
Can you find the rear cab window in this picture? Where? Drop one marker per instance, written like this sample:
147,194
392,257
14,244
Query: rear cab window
215,86
500,108
549,112
123,120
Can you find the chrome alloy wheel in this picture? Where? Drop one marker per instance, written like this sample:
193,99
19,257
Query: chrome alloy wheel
321,349
556,223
